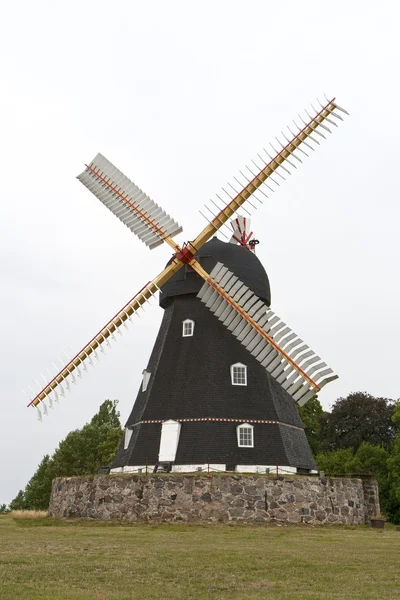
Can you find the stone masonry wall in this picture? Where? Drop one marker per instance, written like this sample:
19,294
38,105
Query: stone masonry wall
218,498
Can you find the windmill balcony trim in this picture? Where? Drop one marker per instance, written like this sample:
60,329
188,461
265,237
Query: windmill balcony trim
213,468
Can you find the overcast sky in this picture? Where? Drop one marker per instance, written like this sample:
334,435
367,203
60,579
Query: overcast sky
180,95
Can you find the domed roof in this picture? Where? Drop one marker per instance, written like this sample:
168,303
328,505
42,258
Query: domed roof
241,261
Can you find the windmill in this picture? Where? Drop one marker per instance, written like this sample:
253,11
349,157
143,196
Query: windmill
222,291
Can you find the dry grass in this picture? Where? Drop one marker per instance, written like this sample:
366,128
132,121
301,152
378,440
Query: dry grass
28,514
43,559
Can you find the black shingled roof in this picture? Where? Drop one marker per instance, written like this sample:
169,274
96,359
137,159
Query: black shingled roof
241,261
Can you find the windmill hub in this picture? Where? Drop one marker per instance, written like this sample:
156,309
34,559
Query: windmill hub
244,264
186,253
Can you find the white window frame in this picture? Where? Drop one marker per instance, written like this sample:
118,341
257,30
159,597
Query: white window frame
238,430
242,366
127,437
145,380
187,322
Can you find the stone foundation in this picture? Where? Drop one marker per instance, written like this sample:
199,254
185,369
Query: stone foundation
217,498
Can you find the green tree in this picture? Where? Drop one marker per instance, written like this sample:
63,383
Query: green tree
107,420
108,415
359,418
393,500
336,461
311,414
19,502
393,497
369,460
374,460
396,412
37,491
4,509
82,452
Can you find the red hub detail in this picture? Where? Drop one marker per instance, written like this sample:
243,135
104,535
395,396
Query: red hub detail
185,255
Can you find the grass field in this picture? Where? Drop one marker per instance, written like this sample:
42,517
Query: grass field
55,560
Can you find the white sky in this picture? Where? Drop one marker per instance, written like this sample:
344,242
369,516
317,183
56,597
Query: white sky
180,95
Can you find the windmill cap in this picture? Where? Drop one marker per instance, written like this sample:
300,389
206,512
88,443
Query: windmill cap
241,261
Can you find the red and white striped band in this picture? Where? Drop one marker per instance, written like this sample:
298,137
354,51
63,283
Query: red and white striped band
199,419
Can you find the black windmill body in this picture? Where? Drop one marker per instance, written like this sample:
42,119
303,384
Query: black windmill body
190,387
226,372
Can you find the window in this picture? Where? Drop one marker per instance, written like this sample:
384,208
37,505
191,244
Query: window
239,374
127,437
145,380
245,435
187,328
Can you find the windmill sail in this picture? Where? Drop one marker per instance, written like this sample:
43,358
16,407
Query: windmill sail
259,177
284,355
128,202
61,381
